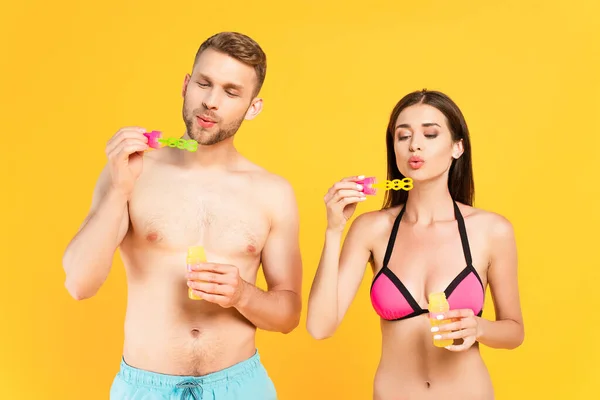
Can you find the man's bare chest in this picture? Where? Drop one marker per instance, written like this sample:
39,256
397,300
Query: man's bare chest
223,219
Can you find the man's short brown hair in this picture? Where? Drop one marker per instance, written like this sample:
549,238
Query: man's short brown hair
242,48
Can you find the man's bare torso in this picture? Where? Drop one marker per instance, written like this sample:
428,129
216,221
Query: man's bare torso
174,207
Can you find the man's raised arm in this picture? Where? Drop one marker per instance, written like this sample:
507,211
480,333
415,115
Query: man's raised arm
88,257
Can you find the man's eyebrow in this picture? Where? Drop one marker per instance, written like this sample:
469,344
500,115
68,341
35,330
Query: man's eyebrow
232,85
229,85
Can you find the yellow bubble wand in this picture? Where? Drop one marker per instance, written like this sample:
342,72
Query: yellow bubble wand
370,185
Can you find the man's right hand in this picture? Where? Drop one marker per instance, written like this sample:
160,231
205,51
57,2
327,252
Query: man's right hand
125,151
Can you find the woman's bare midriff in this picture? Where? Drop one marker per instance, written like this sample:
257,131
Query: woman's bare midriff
411,368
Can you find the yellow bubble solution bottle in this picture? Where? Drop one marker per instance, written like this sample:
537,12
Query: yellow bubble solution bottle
438,305
195,255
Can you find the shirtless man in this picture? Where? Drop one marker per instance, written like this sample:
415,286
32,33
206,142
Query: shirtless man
154,205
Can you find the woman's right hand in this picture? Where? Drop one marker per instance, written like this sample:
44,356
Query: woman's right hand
341,201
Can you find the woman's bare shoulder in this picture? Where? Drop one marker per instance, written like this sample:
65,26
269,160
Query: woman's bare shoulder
488,221
376,222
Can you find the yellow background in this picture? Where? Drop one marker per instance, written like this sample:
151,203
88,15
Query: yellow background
524,73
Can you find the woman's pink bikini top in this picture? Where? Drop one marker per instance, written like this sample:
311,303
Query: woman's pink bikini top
392,301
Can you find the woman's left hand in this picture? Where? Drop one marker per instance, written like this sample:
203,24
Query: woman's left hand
466,326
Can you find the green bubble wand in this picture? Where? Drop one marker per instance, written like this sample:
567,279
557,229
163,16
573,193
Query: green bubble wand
154,141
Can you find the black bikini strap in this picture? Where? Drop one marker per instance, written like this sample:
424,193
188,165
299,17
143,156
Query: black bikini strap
461,229
463,234
392,239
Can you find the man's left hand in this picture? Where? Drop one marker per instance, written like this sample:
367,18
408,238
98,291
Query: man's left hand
216,283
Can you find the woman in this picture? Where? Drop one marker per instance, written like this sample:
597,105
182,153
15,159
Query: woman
425,240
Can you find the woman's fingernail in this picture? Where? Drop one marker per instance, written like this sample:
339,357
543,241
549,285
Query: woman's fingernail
437,337
440,317
359,187
361,177
435,329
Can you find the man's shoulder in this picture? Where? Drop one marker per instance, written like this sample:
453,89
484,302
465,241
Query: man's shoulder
274,189
274,185
261,175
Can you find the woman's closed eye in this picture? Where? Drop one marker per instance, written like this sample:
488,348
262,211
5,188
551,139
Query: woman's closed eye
428,136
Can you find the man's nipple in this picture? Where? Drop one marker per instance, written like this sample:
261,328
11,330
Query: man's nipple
152,237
